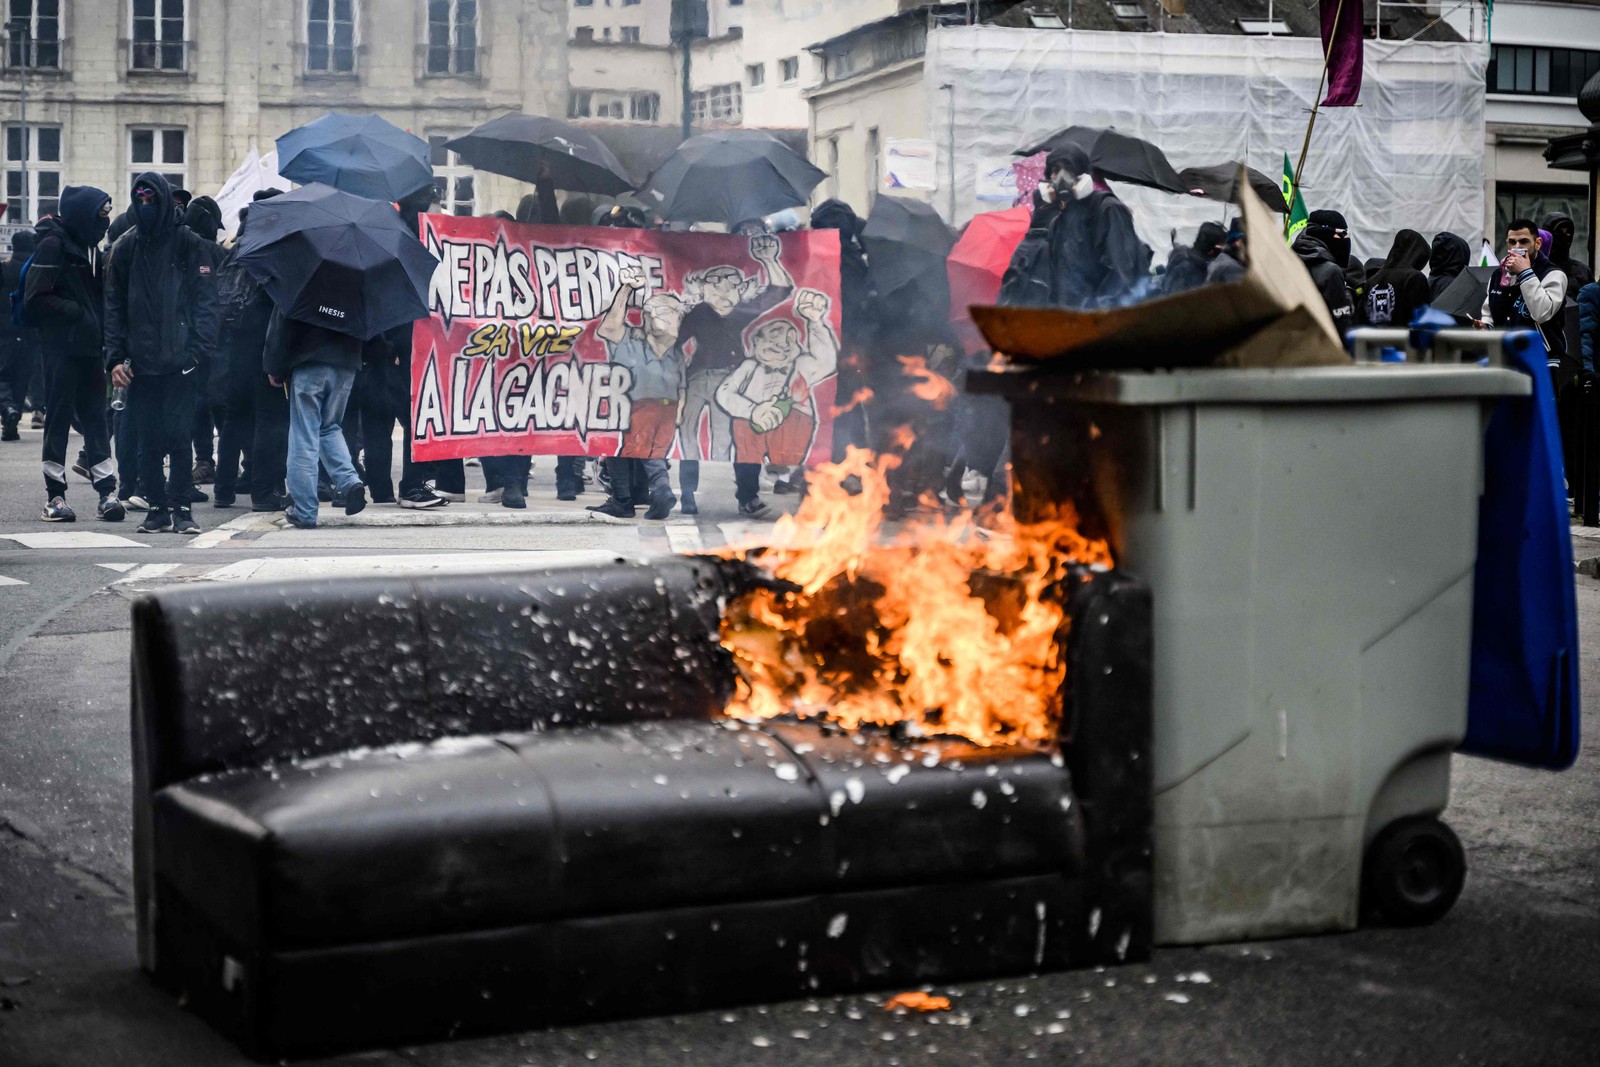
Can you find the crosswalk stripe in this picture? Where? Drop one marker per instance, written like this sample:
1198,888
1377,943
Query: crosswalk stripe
120,568
146,573
70,539
685,539
11,581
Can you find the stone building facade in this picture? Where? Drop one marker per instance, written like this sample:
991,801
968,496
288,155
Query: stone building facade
187,87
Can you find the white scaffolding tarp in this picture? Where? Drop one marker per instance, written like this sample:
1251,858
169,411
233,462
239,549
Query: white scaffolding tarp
1411,156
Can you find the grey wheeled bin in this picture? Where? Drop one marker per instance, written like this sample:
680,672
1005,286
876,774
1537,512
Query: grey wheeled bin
1309,537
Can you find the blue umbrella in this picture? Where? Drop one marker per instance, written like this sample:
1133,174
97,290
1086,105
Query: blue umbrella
338,261
360,154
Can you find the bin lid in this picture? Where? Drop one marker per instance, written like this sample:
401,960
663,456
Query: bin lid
1365,383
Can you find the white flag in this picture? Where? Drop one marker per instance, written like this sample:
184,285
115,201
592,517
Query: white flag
257,172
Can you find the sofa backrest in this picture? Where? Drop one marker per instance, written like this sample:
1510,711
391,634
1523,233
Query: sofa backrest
246,675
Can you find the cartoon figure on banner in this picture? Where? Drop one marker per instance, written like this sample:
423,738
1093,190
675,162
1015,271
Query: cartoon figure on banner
724,303
654,358
769,394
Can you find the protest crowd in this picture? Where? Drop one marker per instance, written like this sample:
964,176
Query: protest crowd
136,326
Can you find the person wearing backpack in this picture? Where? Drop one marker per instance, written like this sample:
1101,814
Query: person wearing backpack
62,297
19,345
161,325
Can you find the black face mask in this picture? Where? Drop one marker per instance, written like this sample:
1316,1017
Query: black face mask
98,229
148,215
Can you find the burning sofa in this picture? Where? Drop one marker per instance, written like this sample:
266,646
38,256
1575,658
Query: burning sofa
380,809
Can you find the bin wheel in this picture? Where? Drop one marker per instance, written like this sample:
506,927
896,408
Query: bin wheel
1414,871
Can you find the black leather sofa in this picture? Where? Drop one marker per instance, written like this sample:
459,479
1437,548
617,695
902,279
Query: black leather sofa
380,810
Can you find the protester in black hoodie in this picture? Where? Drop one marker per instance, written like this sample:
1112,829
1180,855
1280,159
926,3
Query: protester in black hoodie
1562,231
161,324
384,394
19,345
856,312
1328,274
1397,290
63,296
1449,258
204,217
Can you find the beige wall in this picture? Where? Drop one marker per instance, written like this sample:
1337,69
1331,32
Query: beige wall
893,101
246,82
626,69
652,17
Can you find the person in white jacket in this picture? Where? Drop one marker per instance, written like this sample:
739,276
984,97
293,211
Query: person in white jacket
1529,291
769,395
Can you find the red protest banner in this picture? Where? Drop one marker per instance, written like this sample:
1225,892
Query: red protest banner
578,340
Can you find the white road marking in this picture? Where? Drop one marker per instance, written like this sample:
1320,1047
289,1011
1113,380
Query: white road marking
71,539
147,572
272,569
211,538
120,568
684,539
11,581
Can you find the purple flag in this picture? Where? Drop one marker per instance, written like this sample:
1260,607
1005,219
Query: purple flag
1342,34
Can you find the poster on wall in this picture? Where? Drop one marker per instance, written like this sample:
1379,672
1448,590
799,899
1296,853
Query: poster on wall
910,164
579,340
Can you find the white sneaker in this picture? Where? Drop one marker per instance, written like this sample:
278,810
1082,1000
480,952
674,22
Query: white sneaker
137,503
454,498
493,496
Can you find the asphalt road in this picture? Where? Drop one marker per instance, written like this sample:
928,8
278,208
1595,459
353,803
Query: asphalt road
1511,976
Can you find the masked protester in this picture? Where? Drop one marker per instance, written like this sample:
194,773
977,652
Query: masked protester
1446,261
19,345
1080,250
384,393
63,295
856,312
1395,292
204,218
1232,262
161,326
1328,276
1187,264
1559,251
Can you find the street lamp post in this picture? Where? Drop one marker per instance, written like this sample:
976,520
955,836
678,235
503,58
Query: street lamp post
690,19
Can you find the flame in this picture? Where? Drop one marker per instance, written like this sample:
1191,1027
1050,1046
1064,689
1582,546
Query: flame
917,1000
927,384
859,397
944,626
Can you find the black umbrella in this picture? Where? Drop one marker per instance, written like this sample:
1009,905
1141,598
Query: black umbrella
360,154
1116,155
906,240
1464,297
729,176
1220,181
519,146
338,261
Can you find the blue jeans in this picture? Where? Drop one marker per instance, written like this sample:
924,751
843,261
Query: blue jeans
317,397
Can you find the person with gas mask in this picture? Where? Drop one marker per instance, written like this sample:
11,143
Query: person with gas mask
62,294
1080,250
161,326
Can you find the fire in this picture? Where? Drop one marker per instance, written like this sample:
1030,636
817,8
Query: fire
859,397
917,1000
945,627
926,384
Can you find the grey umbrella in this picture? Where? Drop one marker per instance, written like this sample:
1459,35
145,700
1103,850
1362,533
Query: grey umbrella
522,146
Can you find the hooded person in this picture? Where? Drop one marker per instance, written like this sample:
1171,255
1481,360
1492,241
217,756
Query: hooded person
1399,288
1329,227
1080,250
63,295
856,319
1231,264
1327,273
254,425
19,345
1187,264
383,395
161,326
1563,230
1448,258
204,218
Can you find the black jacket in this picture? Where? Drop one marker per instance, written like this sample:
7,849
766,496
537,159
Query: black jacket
161,300
1397,290
1560,251
14,338
1080,254
292,344
1448,259
1329,278
64,294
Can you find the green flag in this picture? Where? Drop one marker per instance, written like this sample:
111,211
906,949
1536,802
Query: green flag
1296,220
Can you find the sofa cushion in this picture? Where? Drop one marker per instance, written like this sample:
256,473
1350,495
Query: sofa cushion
487,832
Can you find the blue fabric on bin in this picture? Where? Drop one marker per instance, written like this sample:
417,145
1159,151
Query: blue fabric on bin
1524,702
